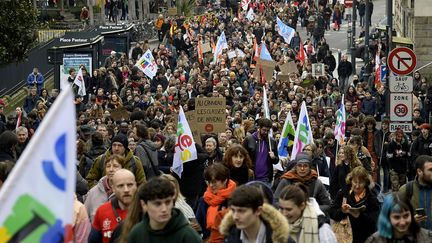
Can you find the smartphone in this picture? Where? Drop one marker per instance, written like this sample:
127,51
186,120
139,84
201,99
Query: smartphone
420,211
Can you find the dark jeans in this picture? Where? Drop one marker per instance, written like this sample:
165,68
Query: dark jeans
385,185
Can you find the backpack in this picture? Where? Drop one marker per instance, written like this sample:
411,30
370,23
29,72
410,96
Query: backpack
103,159
409,190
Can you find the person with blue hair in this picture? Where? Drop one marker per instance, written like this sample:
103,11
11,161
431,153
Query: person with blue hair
396,223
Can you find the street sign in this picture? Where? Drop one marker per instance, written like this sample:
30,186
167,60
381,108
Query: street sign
400,107
405,127
402,61
401,84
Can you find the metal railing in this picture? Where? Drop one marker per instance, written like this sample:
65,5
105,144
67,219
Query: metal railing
47,35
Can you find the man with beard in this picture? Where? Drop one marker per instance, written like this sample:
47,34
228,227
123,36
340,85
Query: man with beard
111,213
418,192
263,151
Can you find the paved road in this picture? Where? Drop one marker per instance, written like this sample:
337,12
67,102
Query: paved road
338,39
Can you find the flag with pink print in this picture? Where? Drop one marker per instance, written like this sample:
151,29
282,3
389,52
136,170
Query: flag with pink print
339,131
303,135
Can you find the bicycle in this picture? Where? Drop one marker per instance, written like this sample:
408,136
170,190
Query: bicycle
401,87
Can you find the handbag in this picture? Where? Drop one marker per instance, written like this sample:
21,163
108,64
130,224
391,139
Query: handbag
343,231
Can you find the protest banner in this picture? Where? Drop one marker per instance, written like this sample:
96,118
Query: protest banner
210,115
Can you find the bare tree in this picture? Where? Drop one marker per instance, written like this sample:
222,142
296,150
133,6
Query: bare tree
140,9
102,12
131,10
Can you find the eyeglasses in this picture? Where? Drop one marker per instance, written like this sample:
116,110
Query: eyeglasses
307,149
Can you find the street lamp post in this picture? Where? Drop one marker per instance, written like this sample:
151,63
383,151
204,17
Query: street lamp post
353,36
366,43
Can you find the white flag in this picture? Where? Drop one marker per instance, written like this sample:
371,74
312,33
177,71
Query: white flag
303,135
245,4
79,81
36,201
220,45
266,104
185,149
250,15
147,64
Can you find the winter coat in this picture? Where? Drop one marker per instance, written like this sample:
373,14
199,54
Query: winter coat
96,197
176,231
337,181
147,152
97,171
420,198
315,189
368,107
192,176
365,224
345,69
422,236
277,228
398,163
421,145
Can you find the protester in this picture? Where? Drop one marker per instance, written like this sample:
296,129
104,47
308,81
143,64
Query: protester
303,173
239,163
307,222
262,150
161,221
419,189
103,191
111,213
35,79
396,223
360,204
119,146
215,198
249,215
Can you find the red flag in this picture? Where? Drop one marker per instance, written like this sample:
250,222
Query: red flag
256,50
378,76
18,124
301,55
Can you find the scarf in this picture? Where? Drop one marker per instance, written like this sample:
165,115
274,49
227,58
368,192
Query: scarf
107,187
292,175
306,227
360,196
215,200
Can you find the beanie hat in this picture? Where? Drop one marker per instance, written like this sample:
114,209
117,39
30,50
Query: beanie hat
303,158
121,138
159,136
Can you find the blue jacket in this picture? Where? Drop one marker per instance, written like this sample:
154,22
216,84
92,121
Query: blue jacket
38,78
368,107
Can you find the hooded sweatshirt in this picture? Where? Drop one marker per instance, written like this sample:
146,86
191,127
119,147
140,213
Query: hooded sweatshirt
177,231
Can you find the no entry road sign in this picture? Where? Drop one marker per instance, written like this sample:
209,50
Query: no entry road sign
402,61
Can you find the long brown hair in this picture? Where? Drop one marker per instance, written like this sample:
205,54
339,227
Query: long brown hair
350,157
234,150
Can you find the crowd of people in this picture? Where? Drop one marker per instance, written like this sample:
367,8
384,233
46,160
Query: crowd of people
379,182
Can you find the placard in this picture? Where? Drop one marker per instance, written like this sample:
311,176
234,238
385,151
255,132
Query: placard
210,115
120,114
318,69
206,47
172,11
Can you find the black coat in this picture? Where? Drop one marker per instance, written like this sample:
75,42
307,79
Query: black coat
365,224
192,176
345,69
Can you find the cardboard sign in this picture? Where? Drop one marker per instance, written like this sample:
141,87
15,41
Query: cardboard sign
120,114
206,47
210,115
172,11
288,68
232,54
318,69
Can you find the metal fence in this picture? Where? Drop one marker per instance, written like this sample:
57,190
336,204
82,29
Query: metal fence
47,35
